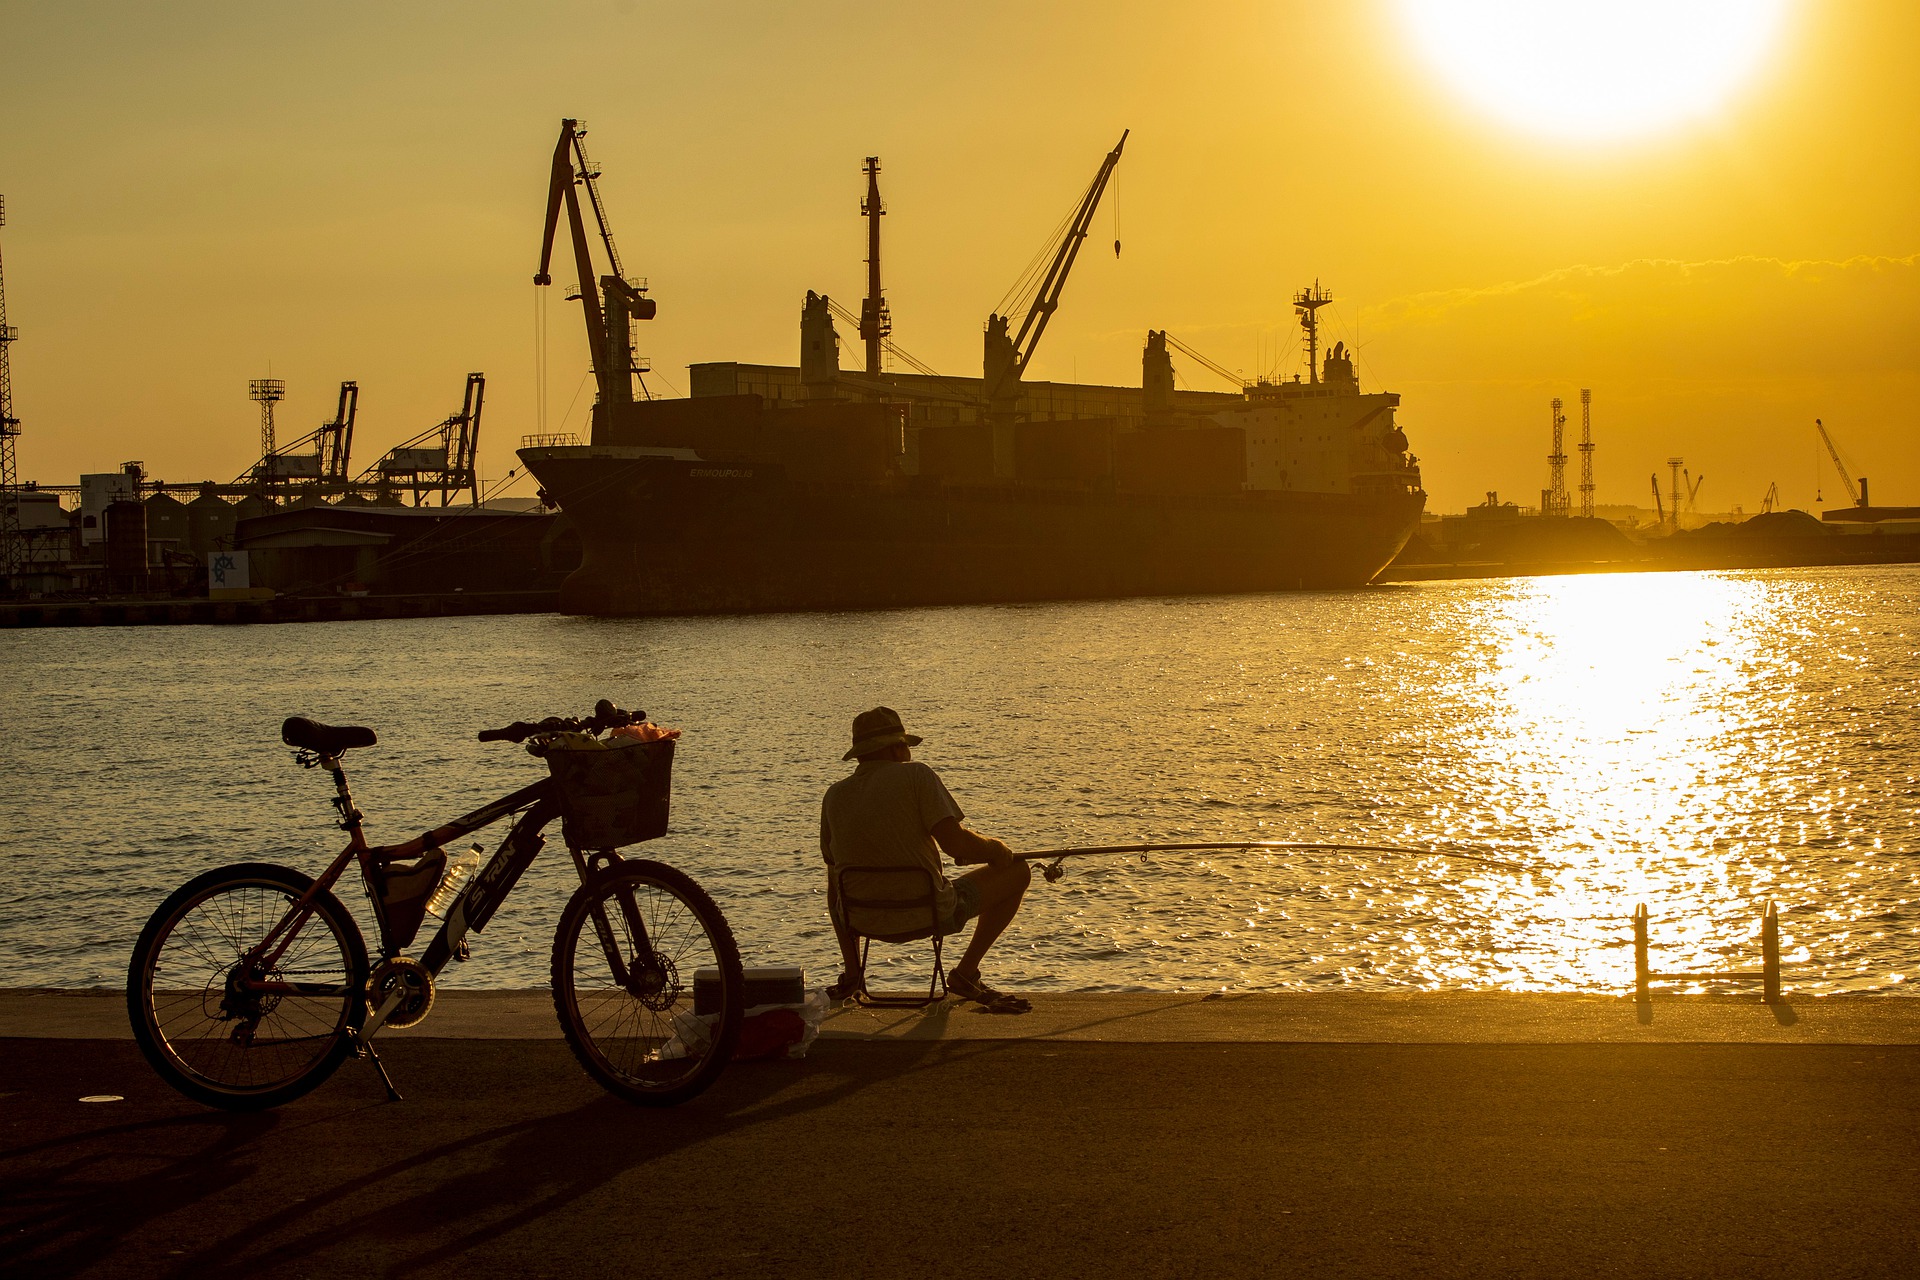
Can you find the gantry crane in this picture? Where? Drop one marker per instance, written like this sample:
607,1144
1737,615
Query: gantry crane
1857,493
448,466
1009,353
618,300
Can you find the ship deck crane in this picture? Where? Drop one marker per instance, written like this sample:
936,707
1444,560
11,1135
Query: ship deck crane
1211,366
618,300
1008,353
1857,493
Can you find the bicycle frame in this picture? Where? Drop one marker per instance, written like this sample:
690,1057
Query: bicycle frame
468,913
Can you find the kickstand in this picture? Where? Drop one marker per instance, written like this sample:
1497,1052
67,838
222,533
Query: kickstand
393,1094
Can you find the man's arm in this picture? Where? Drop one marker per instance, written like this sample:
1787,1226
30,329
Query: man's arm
826,840
970,848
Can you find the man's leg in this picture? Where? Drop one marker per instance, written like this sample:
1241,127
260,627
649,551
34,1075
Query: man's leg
849,956
1001,890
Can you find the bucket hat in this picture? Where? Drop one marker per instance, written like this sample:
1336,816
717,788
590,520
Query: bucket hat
877,730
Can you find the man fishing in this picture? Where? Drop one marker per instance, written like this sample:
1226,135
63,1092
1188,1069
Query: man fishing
894,812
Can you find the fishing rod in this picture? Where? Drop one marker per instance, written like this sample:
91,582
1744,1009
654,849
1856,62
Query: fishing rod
1055,868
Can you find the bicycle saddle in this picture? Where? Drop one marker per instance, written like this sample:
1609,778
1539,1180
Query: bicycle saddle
327,739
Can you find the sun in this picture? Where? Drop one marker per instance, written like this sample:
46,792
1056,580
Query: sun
1595,69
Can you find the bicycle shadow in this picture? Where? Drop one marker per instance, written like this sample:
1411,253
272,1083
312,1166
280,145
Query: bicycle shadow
488,1185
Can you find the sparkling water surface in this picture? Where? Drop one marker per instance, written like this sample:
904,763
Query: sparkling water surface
1699,742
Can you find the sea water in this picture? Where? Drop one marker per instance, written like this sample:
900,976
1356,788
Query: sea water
1698,742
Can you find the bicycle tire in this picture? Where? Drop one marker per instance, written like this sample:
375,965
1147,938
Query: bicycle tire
188,1034
641,1042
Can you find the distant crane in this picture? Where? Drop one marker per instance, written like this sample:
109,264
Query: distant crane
1771,499
1692,491
447,464
1856,492
1553,499
317,460
13,548
1658,510
1007,353
1586,453
609,330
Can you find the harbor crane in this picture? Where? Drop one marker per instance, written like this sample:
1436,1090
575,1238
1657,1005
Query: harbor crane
1856,493
441,457
1771,499
875,321
1007,352
1658,509
318,460
618,299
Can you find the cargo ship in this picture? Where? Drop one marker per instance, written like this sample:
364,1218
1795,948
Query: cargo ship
785,488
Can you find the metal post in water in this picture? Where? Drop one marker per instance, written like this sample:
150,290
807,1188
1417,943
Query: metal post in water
1770,952
1641,989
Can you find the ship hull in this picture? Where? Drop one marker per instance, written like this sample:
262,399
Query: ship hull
666,533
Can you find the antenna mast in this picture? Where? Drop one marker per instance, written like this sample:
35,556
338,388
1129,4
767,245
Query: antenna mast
875,323
1586,453
12,550
1306,305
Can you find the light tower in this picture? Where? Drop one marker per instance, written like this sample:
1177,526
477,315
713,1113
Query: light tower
1553,501
1586,453
1306,305
875,323
12,549
1673,466
267,392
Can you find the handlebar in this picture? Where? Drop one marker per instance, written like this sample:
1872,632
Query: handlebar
605,716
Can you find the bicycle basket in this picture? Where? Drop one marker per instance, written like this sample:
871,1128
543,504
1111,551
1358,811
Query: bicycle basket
613,797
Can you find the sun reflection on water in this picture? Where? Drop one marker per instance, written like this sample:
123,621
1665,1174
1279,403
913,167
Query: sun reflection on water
1613,718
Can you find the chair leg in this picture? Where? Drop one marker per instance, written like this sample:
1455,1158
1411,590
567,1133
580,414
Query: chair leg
936,986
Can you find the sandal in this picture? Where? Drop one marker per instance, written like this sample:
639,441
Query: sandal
986,997
845,988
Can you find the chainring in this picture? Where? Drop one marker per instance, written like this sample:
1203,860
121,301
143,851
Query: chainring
412,980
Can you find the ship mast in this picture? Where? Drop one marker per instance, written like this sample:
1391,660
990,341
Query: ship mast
1306,305
875,323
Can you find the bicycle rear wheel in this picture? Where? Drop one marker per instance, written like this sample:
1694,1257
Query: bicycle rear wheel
208,1036
624,960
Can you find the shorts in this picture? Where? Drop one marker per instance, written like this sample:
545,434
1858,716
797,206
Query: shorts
966,904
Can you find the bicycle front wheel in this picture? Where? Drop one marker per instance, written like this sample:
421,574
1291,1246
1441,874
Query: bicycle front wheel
220,1040
630,945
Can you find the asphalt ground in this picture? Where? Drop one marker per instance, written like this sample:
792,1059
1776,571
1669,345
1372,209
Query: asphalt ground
983,1157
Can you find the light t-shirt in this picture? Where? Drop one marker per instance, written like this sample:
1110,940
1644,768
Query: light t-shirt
883,815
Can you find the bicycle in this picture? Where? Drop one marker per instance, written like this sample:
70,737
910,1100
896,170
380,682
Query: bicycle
251,984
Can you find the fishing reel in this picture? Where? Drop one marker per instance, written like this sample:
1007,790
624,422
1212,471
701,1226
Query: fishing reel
1054,870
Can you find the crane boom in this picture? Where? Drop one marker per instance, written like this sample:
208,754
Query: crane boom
624,301
1833,451
1209,365
1007,358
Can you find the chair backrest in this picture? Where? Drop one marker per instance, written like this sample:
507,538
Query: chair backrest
858,891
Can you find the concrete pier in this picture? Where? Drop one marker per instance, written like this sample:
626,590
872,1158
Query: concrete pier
1324,1134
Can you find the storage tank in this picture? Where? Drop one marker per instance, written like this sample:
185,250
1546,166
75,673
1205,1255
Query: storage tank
167,526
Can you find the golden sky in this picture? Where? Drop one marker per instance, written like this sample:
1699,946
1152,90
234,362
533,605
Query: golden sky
197,192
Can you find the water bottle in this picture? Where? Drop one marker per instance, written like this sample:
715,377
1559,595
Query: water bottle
460,869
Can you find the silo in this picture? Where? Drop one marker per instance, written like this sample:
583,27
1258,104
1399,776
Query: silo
210,522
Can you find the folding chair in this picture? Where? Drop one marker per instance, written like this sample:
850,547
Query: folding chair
852,889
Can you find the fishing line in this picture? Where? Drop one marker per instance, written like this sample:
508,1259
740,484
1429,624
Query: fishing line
1055,857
